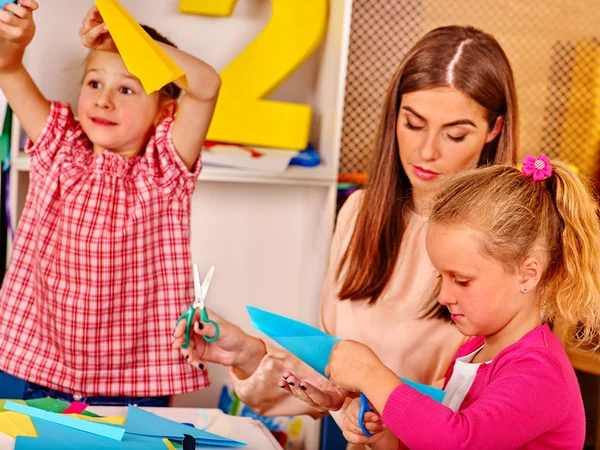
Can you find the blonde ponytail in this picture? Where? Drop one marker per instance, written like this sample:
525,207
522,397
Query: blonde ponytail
573,291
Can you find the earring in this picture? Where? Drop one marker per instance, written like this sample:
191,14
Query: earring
524,289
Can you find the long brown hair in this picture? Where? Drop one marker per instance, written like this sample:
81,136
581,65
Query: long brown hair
483,72
516,215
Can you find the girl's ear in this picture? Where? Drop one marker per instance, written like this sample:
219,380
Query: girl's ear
166,108
494,132
530,272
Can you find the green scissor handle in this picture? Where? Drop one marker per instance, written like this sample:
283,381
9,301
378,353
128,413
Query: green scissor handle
204,318
188,315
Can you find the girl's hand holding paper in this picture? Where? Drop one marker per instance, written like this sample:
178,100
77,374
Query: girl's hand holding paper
350,365
94,32
16,31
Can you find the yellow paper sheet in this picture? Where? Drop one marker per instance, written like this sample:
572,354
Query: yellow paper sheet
116,420
143,57
16,424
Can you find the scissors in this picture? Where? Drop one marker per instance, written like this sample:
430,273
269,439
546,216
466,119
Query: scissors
200,289
365,407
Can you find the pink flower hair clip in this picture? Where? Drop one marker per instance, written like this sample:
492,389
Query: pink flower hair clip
539,169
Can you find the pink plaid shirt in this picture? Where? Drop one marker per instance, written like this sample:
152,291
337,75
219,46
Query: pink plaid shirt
101,267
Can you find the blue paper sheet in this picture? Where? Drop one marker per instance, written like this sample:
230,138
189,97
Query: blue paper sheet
310,344
4,2
145,423
114,432
53,436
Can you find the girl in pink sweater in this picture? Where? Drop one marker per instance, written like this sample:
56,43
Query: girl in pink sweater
515,250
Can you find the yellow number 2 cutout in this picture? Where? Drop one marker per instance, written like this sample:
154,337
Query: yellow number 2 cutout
295,30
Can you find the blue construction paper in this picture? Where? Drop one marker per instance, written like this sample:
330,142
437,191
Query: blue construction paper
145,423
114,432
312,345
53,436
4,2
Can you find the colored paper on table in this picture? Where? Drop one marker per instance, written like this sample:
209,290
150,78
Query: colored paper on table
115,420
54,405
142,56
114,432
48,404
53,436
145,423
75,408
312,345
3,401
15,424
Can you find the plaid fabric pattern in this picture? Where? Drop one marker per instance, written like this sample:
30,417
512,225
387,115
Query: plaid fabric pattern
101,268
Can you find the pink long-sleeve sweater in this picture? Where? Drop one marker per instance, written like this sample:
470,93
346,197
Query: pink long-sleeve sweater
527,397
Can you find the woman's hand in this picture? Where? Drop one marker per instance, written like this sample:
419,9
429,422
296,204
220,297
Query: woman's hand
232,348
315,390
17,29
94,32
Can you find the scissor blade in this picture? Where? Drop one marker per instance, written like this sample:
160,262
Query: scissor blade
197,288
206,283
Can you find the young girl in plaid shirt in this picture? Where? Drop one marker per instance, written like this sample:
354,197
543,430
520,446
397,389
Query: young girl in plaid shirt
101,264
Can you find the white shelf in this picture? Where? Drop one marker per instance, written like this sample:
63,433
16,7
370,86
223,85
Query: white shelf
294,176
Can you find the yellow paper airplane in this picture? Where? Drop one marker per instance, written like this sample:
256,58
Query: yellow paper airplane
142,56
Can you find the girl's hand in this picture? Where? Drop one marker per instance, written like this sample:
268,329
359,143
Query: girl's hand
350,365
232,348
382,439
315,390
94,32
16,32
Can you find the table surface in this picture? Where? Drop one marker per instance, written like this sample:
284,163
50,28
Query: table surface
243,429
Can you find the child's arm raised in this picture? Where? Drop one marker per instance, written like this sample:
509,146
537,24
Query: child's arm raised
16,32
198,103
196,107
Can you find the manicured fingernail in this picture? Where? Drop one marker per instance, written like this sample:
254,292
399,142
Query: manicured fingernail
285,378
200,326
282,387
187,357
291,384
201,366
303,387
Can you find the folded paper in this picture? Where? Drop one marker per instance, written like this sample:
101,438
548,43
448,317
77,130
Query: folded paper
310,344
142,56
145,423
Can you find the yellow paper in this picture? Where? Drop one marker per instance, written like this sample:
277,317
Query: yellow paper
116,420
168,444
143,57
16,424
